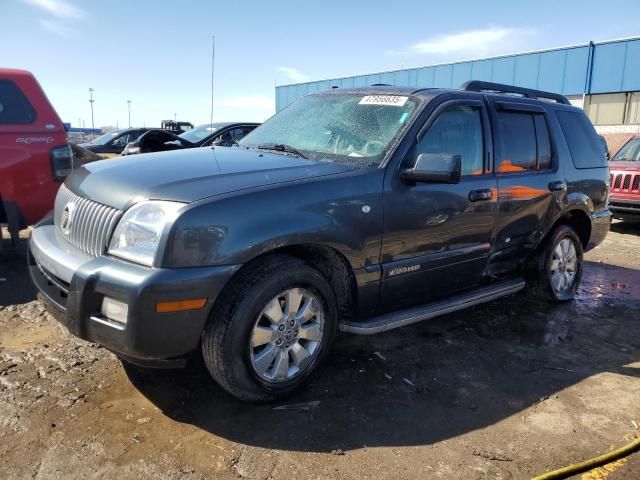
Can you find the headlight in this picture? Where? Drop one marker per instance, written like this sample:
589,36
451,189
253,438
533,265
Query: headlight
138,233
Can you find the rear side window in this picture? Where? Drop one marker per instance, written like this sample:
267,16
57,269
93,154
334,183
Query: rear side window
15,109
585,147
524,142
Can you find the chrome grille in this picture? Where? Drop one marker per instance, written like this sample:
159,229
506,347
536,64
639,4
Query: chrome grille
636,183
627,182
91,222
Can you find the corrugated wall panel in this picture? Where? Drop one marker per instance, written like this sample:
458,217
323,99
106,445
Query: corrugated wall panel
576,67
552,69
481,70
616,67
401,78
504,70
631,74
607,72
461,73
425,77
443,76
527,70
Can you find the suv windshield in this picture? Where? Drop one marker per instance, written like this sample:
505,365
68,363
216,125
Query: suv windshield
343,127
199,133
629,153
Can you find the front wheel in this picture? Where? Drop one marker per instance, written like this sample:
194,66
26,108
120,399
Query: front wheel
557,268
270,329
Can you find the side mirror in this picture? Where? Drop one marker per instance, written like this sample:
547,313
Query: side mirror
435,168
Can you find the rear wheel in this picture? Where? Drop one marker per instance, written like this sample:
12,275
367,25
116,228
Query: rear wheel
557,269
270,329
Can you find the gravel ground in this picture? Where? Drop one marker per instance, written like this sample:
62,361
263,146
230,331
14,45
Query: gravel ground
505,390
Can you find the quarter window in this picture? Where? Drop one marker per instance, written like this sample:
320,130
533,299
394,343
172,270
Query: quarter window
524,142
15,109
587,151
457,131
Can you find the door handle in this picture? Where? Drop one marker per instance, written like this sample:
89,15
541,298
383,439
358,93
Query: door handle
557,186
477,195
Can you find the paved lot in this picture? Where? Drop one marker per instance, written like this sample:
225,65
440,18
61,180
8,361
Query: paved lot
505,390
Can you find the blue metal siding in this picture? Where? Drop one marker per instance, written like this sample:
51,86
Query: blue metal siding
616,68
631,72
576,67
607,74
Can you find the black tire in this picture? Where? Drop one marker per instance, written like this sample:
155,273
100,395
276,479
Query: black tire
540,284
227,336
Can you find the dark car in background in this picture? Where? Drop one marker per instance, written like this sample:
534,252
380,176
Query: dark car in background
223,134
624,175
175,126
114,141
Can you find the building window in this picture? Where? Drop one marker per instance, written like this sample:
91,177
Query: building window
633,109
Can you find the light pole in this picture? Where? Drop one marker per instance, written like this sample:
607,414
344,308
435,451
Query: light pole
93,127
175,117
129,105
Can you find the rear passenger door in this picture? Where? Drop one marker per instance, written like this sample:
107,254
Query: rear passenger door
529,180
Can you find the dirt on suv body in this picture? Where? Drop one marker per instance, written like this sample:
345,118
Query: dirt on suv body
358,210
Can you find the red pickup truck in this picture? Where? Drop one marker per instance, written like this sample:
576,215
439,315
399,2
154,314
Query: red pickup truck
34,154
624,171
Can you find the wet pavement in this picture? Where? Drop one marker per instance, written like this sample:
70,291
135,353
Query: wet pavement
509,389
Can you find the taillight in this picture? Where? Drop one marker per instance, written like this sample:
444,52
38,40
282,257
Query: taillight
61,162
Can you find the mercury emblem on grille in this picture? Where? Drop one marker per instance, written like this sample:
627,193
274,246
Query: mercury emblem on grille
66,217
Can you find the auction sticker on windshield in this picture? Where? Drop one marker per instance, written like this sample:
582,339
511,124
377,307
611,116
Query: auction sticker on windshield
393,100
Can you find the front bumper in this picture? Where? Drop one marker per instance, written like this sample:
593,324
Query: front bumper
75,284
625,207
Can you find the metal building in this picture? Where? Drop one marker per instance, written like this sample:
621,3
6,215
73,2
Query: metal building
601,77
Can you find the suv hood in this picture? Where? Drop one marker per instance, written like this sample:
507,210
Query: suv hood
190,175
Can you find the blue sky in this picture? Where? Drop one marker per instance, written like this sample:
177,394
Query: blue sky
157,54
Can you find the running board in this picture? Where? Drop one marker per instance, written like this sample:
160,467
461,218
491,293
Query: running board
402,318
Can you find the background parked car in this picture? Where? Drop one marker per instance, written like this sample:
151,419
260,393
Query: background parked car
624,197
221,133
34,154
175,126
114,141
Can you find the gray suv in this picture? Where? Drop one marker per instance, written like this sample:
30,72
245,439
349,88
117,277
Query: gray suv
358,210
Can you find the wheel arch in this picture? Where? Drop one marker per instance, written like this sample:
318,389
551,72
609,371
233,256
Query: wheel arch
332,264
576,218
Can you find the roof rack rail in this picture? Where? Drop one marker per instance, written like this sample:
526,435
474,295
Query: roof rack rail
480,86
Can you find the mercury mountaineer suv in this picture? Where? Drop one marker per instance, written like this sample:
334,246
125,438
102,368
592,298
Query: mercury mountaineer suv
358,210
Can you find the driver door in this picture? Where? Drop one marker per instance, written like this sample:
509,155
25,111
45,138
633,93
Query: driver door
437,236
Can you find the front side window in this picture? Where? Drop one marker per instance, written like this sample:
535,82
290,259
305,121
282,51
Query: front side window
457,131
15,109
629,153
340,127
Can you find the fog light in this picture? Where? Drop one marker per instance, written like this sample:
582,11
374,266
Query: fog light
114,310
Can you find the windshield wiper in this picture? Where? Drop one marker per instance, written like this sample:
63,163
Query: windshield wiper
282,147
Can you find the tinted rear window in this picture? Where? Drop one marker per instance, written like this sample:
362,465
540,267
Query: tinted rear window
15,109
586,149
